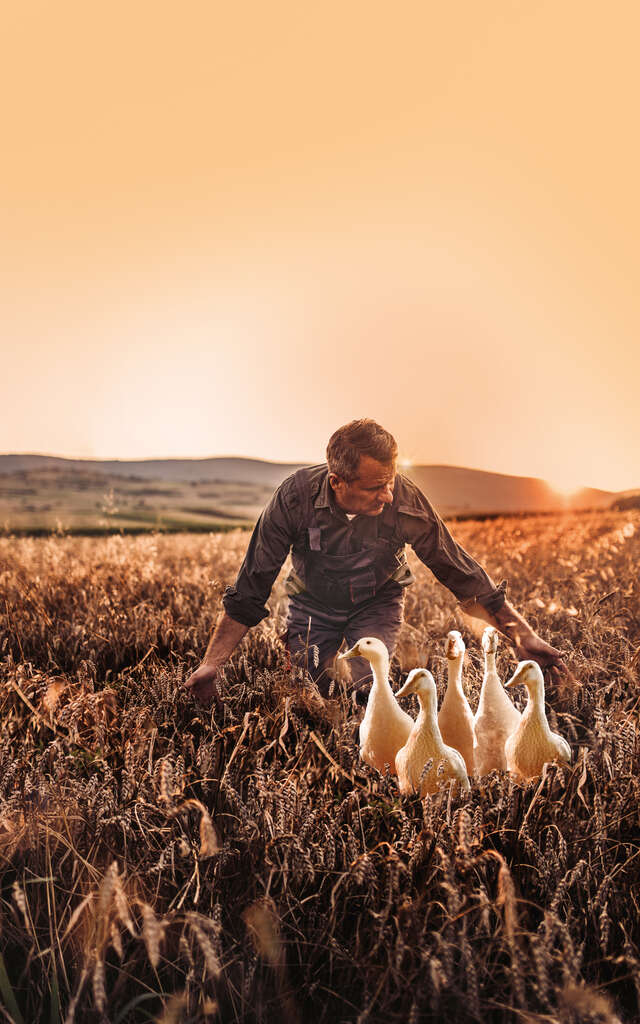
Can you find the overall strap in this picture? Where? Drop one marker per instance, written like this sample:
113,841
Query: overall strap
308,513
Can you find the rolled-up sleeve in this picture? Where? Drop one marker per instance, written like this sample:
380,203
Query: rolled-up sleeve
448,561
268,548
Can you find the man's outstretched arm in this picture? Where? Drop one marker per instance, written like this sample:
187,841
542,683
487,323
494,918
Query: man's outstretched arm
223,641
469,582
245,602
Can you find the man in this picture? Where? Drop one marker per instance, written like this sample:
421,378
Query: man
346,524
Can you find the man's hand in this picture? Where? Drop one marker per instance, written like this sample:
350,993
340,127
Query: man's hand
202,685
549,658
532,647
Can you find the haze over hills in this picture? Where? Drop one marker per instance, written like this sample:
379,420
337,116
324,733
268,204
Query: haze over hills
42,492
228,470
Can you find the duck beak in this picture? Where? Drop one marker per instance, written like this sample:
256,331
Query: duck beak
490,640
353,653
404,690
454,648
514,681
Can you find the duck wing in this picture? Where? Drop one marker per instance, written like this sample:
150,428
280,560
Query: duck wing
458,767
564,750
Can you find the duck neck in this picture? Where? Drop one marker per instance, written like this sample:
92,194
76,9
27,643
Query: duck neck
380,668
491,681
428,716
535,706
490,663
454,669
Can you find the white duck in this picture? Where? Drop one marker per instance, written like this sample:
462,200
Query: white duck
425,743
456,717
385,726
496,718
533,744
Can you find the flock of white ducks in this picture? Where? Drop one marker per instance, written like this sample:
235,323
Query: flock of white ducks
454,744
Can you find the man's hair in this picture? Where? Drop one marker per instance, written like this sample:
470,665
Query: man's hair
360,437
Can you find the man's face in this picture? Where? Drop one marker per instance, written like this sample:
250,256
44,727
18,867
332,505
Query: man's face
370,491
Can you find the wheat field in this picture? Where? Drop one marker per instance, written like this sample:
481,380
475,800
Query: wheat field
163,862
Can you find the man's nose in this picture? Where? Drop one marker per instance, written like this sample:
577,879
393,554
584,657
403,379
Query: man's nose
386,494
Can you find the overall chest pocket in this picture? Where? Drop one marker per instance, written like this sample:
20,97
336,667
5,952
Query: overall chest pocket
340,581
344,581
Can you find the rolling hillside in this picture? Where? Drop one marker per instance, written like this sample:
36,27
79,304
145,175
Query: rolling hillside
44,493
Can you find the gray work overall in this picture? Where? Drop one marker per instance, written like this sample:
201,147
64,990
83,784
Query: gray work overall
348,596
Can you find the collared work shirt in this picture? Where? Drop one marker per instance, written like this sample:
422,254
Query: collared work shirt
285,525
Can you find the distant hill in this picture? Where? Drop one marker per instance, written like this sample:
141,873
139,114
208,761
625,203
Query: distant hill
42,492
456,491
227,470
627,499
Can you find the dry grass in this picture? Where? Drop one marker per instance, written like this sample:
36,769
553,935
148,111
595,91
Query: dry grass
162,862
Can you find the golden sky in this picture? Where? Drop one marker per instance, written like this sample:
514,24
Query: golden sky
229,228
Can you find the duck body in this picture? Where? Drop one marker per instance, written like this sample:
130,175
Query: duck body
425,743
455,718
385,727
533,744
496,718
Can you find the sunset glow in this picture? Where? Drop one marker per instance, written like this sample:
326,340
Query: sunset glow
564,489
228,235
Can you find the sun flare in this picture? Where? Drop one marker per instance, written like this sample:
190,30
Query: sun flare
564,486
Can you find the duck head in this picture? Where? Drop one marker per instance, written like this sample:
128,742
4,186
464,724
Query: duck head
530,674
455,645
367,647
420,681
490,640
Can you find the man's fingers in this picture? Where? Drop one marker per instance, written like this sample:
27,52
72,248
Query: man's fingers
192,682
202,685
